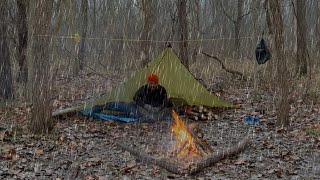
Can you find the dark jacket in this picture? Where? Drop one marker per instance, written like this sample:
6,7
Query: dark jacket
155,98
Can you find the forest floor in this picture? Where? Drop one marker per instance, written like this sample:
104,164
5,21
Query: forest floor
86,148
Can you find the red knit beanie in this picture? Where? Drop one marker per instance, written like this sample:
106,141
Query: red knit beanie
153,78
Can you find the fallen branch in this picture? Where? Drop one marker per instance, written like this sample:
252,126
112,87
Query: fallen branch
224,67
175,168
211,160
163,163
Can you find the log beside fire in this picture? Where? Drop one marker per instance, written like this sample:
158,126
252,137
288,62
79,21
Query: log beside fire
201,113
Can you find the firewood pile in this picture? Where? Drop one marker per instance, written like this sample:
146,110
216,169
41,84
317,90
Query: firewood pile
202,113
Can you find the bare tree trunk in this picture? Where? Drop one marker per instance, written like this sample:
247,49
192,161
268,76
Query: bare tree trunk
318,27
237,26
301,38
255,6
22,29
94,24
71,31
183,31
146,31
268,17
59,17
41,121
6,90
84,14
282,72
196,16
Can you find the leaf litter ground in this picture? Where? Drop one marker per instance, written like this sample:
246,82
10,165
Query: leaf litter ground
89,145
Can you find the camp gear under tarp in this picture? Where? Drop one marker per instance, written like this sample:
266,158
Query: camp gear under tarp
262,52
173,75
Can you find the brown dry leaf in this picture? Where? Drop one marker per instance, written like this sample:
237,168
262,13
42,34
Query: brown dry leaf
93,162
93,177
15,157
128,167
277,171
239,162
294,158
281,130
10,153
73,145
62,138
88,177
38,152
255,113
29,144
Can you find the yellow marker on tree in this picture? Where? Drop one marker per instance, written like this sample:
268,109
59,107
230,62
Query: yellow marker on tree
76,38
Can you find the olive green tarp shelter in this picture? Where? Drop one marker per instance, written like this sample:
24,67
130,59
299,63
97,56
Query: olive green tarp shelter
173,75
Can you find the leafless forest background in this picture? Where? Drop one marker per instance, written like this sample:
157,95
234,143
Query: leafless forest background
43,41
61,53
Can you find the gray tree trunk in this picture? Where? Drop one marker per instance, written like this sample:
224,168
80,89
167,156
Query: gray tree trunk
301,38
282,72
22,29
6,89
268,17
41,121
237,26
148,20
183,31
84,14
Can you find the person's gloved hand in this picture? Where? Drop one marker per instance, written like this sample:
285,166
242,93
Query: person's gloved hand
147,107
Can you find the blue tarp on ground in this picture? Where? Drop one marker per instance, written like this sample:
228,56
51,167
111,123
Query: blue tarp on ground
108,116
112,117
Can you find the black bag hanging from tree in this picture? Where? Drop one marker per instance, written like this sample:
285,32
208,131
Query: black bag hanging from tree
262,52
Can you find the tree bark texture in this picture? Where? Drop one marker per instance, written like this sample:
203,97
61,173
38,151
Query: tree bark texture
183,31
148,19
282,71
22,28
84,14
302,67
6,89
41,121
237,26
268,17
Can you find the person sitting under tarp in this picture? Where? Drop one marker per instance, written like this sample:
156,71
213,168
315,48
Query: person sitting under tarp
150,103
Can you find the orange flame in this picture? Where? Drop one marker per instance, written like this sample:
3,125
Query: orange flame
185,144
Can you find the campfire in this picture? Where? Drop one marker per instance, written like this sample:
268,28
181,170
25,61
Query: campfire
191,150
189,140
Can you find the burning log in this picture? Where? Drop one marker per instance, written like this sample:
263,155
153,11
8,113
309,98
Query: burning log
200,141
